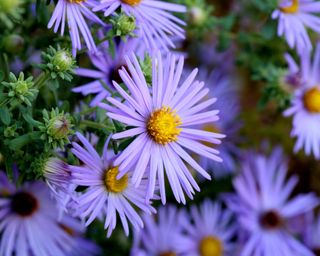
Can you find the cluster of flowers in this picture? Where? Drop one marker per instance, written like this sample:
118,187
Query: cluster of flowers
173,136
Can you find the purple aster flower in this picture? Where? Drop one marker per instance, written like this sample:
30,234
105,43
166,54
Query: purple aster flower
263,207
82,246
225,90
75,12
305,107
209,231
155,22
294,17
29,222
108,67
106,196
164,121
294,77
162,234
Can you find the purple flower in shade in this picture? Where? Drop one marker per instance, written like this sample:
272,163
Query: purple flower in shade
29,222
263,208
294,16
162,234
209,231
82,246
164,120
225,90
312,232
294,77
106,196
305,107
74,11
155,22
108,67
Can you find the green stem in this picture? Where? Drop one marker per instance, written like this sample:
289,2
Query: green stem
91,124
41,80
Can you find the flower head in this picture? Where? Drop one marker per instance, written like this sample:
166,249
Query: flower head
164,121
263,207
209,230
29,222
161,235
295,16
106,196
305,107
155,23
74,12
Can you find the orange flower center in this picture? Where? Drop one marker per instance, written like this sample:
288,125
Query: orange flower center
293,8
131,2
311,100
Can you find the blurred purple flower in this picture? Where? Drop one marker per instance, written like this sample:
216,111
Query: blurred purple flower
163,118
295,16
106,196
29,222
263,207
305,106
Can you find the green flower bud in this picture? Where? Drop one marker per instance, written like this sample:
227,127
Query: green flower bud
13,43
197,15
123,25
59,127
62,61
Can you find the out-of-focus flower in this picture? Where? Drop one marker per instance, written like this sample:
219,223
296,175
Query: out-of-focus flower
106,196
10,11
161,235
155,23
293,79
29,222
164,121
305,106
263,208
295,16
74,12
82,246
225,90
209,231
108,67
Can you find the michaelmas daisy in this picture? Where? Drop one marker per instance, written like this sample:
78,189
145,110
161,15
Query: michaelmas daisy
263,207
29,222
295,16
156,25
74,11
106,196
305,106
164,121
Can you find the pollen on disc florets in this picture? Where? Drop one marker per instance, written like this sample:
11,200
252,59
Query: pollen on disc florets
210,246
311,100
113,184
163,126
76,1
293,8
131,2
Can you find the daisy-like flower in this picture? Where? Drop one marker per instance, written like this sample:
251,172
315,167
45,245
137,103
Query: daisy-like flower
156,24
209,231
164,121
263,208
108,67
225,90
82,246
29,222
106,196
75,12
162,234
295,16
305,107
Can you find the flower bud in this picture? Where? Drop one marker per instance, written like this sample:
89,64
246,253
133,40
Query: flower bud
13,43
62,61
123,25
59,127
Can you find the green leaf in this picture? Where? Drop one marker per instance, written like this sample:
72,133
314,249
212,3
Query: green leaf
5,115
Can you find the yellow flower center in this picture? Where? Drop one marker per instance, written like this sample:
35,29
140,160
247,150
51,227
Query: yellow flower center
210,246
112,183
76,1
131,2
163,125
311,100
293,8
